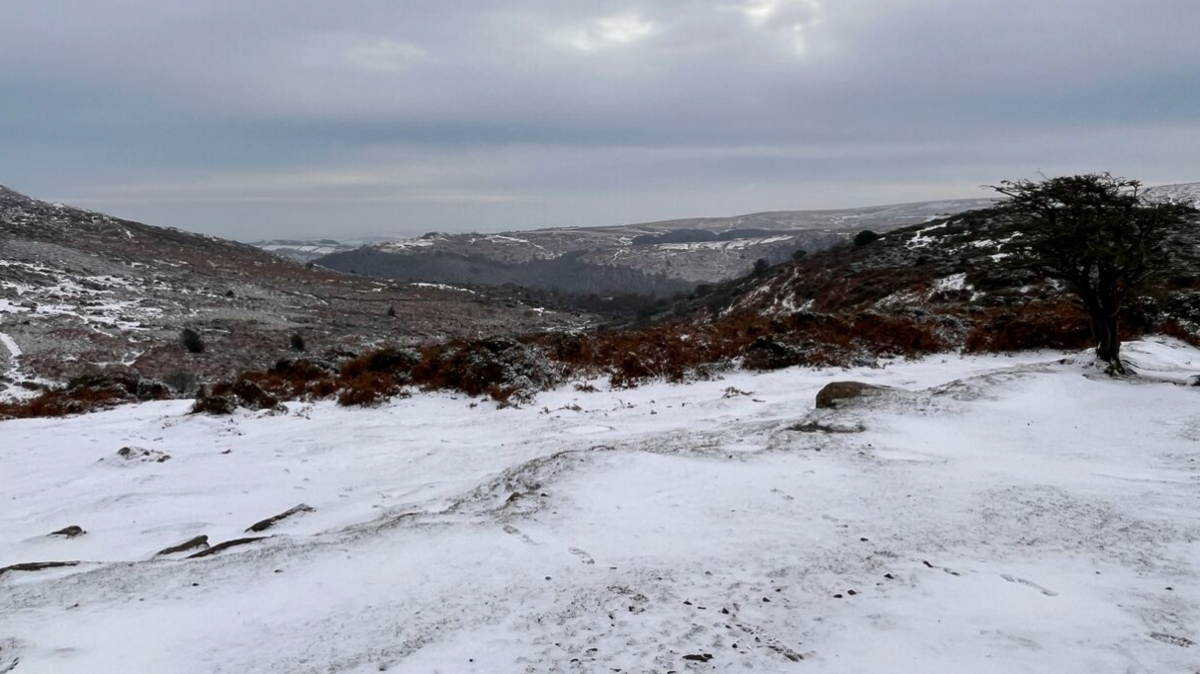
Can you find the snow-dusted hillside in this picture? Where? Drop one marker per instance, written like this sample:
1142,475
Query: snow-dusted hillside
1188,193
520,257
1010,514
82,292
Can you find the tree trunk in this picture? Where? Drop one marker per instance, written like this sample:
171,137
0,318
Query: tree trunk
1108,345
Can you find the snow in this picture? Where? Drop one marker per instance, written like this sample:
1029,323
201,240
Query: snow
10,344
441,286
12,372
1186,193
404,244
731,244
1032,516
921,239
951,283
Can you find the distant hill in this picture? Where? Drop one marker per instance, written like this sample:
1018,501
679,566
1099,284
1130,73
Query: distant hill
653,258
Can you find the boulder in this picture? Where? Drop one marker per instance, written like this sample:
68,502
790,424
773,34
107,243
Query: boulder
35,566
142,455
272,521
837,393
190,544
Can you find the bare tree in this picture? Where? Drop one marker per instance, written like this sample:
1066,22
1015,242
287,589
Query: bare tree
1098,235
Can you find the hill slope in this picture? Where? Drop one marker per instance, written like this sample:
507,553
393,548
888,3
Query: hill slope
81,291
956,277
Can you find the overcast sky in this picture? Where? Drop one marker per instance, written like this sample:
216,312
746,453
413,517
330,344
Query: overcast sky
271,118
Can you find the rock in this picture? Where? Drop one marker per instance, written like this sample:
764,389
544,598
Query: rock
35,566
143,455
225,545
70,532
1194,380
190,544
835,393
698,657
272,521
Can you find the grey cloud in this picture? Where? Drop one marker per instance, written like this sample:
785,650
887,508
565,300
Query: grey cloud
308,117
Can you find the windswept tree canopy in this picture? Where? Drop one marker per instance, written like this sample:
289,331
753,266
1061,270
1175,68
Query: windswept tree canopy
1100,236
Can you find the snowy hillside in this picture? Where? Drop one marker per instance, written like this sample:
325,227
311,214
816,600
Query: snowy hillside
1188,193
1000,514
522,257
81,291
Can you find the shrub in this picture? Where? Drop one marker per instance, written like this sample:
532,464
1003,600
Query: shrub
226,397
769,353
88,393
397,362
191,340
251,395
502,368
1181,330
1039,325
182,383
368,389
213,404
865,237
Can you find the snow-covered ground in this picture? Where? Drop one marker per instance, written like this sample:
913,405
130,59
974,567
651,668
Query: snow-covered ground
1013,514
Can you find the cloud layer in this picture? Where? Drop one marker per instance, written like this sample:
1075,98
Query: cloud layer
305,117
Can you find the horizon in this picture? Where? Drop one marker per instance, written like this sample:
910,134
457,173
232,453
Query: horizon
303,120
369,237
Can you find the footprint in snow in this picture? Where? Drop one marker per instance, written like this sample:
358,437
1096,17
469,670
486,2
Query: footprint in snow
583,556
1046,591
510,529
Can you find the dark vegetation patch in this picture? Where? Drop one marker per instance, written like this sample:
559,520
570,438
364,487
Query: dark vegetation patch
513,370
86,394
